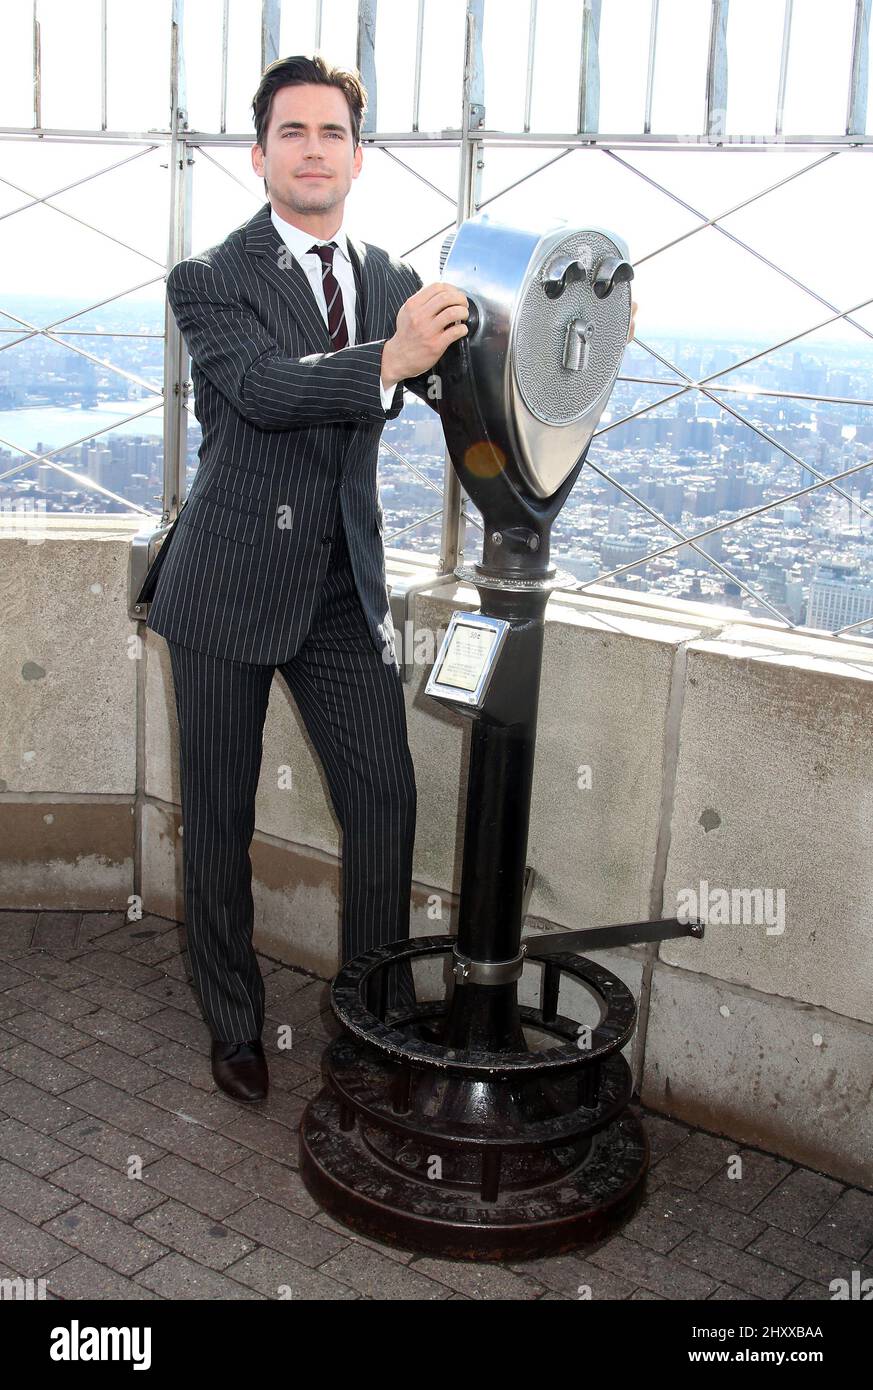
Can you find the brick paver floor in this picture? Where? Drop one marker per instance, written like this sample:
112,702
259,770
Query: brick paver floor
105,1076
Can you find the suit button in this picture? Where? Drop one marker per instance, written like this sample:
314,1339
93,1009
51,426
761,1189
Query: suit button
326,540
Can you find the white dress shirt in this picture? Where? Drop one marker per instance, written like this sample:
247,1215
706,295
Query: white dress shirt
299,243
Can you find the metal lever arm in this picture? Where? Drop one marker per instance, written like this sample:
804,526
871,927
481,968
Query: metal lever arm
622,934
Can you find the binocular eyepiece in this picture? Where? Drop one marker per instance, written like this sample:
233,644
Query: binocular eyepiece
523,391
567,270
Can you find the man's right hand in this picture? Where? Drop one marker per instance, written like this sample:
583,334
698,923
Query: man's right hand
427,323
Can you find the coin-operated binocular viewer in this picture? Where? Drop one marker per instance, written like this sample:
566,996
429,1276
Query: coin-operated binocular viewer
475,1126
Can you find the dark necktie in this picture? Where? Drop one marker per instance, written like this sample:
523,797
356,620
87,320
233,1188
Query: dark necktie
336,319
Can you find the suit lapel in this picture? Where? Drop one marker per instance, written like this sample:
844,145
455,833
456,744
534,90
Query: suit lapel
358,258
372,301
281,270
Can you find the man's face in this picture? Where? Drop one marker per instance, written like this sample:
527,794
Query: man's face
309,161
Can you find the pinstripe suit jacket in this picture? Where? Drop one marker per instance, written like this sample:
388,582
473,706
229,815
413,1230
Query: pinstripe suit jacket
290,432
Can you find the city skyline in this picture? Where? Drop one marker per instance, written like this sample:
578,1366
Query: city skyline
686,457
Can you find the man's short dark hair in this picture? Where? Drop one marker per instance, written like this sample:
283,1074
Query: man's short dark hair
300,70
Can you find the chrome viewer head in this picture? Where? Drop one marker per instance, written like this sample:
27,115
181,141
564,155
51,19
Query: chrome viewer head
522,394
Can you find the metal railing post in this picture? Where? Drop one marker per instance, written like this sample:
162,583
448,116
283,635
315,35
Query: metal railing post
471,164
175,353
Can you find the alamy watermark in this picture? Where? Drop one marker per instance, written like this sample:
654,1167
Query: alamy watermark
733,907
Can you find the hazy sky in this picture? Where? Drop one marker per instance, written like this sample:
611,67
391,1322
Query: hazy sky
704,285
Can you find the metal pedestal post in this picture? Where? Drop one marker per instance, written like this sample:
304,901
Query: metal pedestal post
500,1130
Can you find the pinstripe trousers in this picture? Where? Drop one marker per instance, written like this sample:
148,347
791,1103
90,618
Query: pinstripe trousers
351,703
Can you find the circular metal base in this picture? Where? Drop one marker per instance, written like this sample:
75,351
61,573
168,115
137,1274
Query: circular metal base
394,1192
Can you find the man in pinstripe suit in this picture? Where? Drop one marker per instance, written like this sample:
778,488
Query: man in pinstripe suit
301,338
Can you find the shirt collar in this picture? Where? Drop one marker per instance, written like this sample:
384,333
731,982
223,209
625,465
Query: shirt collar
299,242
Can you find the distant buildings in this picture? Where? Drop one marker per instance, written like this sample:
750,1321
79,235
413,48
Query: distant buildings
838,597
693,465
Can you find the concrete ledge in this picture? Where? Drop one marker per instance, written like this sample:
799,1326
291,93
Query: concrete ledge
767,1071
774,797
68,674
68,855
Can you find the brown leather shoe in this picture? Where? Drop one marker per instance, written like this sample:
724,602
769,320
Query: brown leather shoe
240,1069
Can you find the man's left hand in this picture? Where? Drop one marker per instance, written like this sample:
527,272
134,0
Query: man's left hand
632,329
